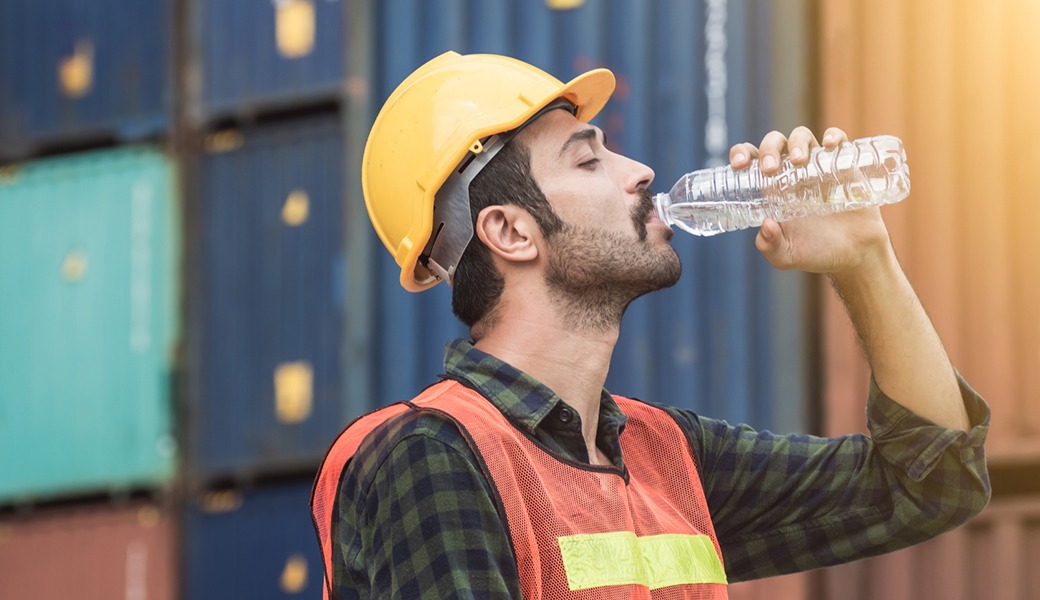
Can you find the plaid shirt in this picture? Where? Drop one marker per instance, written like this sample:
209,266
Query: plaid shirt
415,515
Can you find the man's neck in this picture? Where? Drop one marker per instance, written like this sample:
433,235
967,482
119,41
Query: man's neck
573,364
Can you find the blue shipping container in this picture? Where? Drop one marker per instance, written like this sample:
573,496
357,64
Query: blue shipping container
254,544
72,70
253,54
269,289
693,78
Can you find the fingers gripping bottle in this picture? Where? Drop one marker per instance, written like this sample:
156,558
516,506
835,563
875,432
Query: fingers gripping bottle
857,174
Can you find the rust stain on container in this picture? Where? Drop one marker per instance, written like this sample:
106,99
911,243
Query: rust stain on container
296,208
294,27
293,391
97,551
76,72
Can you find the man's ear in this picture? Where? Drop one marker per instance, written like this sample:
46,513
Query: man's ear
509,231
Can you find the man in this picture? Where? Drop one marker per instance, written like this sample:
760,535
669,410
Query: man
519,475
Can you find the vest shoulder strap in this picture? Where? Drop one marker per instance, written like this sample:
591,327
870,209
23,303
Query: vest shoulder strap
326,485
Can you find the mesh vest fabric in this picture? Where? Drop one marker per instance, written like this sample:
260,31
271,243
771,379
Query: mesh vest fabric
326,485
578,531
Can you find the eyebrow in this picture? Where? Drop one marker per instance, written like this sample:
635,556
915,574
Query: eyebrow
582,135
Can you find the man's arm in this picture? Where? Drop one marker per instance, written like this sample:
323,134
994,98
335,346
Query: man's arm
787,503
901,345
906,358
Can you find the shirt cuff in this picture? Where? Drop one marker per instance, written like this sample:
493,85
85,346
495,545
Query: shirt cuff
916,444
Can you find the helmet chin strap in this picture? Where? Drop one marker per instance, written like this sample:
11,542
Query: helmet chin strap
452,215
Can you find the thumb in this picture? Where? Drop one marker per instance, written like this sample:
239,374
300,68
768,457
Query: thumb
769,238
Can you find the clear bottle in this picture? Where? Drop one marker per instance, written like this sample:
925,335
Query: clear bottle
857,174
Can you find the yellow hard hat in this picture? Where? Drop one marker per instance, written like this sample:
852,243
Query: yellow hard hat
436,120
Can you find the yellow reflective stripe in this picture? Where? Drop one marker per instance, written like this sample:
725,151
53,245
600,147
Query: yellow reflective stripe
674,558
656,561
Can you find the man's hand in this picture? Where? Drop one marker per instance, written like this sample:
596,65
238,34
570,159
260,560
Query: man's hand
903,349
837,243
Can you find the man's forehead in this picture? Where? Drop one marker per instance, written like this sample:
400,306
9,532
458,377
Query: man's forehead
554,129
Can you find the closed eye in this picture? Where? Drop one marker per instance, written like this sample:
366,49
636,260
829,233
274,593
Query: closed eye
590,164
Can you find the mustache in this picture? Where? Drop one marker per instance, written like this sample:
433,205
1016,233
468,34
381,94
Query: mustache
645,206
642,210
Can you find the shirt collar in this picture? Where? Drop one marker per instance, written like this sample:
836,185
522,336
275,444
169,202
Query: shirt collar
519,396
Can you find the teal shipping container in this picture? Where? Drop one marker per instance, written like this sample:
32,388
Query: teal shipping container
88,321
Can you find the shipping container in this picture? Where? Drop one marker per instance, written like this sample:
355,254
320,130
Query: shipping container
731,339
269,273
993,557
249,56
76,72
965,235
258,543
957,81
89,260
122,551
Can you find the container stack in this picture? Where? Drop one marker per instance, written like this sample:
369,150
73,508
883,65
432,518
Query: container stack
194,303
264,291
90,239
935,72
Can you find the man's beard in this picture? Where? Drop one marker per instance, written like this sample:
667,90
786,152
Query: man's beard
594,275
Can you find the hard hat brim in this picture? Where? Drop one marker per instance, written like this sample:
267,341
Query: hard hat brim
589,91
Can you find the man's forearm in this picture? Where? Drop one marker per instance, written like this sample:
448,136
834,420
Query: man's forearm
908,360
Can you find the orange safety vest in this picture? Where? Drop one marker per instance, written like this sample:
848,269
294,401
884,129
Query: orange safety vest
578,531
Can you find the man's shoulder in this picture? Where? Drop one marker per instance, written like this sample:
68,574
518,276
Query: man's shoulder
412,430
687,418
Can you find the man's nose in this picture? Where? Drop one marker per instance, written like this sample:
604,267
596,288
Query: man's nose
639,176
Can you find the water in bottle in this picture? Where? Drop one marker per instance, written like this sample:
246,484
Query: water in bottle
857,174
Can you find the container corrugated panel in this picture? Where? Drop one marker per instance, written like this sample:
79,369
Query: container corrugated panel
966,233
94,551
89,260
254,544
71,70
271,287
257,53
993,557
937,73
710,342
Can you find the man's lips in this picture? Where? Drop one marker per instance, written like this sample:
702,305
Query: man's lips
653,221
646,214
653,217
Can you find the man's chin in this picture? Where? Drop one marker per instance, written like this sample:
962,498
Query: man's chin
666,273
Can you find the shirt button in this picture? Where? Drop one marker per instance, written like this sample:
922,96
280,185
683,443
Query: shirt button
566,415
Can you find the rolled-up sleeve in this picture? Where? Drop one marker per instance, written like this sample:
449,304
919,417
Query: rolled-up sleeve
917,446
787,503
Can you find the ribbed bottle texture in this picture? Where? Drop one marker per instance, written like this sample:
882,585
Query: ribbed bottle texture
854,175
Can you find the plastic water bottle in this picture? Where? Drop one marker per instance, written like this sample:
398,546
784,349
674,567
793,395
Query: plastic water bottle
857,174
